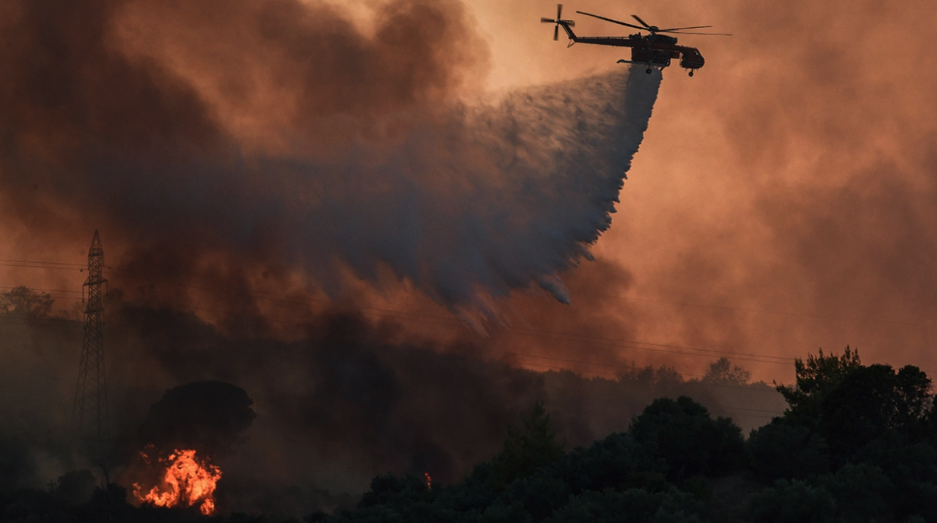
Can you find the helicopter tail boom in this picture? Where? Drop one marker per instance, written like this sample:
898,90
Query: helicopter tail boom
569,32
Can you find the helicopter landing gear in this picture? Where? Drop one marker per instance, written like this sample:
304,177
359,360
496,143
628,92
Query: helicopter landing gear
648,70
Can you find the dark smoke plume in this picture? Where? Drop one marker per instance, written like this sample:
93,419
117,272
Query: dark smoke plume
277,145
236,139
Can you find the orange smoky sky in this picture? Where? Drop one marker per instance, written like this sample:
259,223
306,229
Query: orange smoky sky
782,200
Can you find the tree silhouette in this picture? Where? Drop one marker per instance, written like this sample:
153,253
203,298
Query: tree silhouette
793,502
873,402
722,370
816,378
530,448
683,434
782,450
23,302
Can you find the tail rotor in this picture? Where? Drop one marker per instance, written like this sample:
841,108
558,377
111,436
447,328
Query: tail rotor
559,20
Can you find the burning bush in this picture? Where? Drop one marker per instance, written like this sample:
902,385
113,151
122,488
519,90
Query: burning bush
184,431
187,481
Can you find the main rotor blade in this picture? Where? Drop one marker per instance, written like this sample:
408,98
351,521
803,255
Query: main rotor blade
642,21
556,32
612,20
682,28
547,21
707,34
559,11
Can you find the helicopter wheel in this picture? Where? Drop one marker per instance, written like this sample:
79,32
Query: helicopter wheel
691,73
648,70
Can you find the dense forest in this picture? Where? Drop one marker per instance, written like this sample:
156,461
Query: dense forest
857,443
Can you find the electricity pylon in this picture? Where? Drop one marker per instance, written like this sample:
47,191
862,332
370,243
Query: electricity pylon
90,410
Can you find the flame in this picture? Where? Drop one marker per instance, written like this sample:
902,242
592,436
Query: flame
429,481
187,482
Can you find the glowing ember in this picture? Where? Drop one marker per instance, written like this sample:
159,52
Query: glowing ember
186,483
429,481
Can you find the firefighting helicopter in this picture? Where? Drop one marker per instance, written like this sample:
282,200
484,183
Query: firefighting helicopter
652,50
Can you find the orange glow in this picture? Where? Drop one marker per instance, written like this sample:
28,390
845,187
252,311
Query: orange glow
429,481
187,482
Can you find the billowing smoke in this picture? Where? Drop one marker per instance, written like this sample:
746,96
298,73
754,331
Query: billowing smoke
278,137
288,146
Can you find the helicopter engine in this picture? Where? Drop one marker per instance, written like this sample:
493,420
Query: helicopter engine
692,60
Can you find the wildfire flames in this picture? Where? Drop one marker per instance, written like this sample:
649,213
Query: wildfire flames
187,482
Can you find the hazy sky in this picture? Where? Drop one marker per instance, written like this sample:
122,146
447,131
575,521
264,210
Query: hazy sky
783,198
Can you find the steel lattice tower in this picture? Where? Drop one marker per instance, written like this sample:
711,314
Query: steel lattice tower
90,410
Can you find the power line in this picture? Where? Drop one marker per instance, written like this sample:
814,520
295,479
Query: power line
448,321
733,408
44,290
70,266
438,320
40,265
283,298
750,388
581,362
660,347
608,342
39,262
785,313
611,342
725,385
46,321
